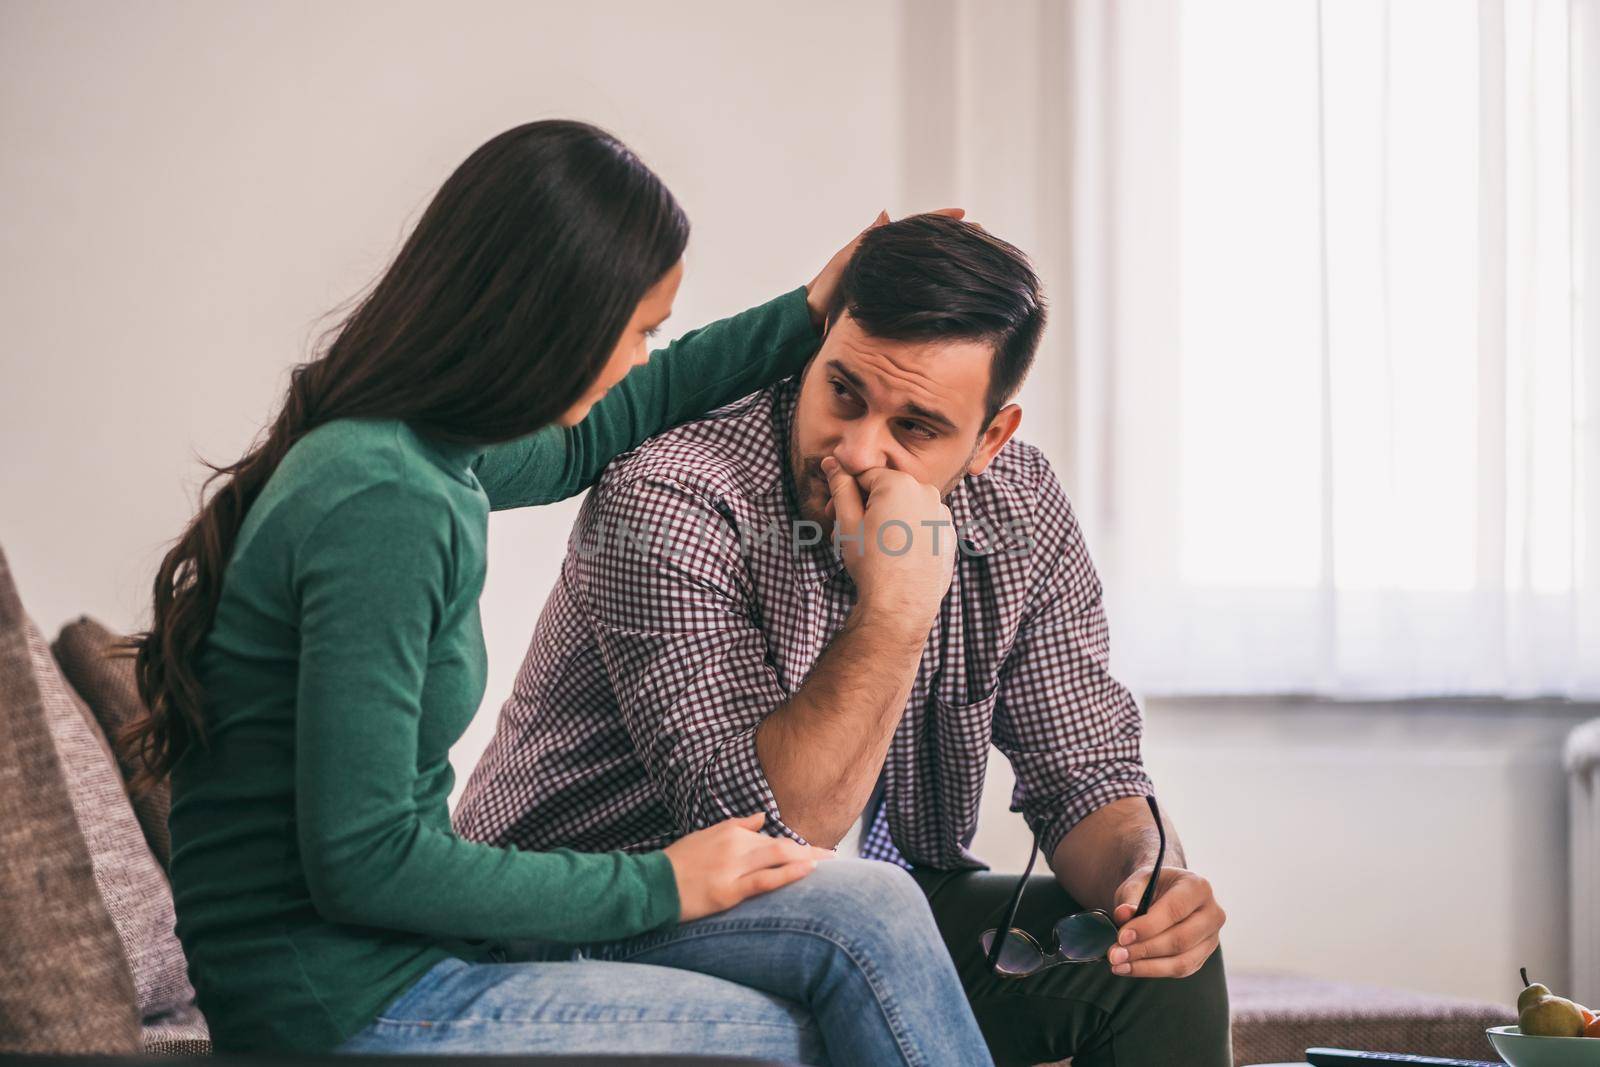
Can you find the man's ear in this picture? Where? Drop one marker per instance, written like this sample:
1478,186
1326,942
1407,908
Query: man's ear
995,435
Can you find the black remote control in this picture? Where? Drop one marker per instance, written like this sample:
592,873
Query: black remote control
1343,1057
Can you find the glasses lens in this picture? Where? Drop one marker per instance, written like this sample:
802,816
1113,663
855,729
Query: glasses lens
1019,956
1087,935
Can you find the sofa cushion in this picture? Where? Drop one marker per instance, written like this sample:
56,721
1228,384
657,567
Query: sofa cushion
88,655
179,1033
132,885
66,984
1276,1017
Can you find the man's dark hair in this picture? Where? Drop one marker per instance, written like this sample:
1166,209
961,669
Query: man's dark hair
934,278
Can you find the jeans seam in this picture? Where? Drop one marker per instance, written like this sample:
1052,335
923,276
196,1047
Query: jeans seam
487,1020
863,963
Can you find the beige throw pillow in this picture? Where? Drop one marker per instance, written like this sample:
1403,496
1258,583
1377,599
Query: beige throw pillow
131,883
66,987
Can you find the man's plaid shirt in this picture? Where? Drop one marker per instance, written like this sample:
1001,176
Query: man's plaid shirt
685,613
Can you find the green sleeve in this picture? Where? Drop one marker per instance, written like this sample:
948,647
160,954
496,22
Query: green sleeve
703,369
373,580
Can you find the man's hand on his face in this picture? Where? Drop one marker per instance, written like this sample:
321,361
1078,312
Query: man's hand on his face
899,546
1176,936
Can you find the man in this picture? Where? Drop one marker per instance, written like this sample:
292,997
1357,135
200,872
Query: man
711,651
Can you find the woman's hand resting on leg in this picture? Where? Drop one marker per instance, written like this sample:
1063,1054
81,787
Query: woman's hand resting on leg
733,860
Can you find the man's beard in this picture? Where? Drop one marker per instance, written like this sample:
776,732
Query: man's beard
810,489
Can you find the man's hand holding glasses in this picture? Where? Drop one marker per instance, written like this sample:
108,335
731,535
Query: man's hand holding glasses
1164,924
1176,936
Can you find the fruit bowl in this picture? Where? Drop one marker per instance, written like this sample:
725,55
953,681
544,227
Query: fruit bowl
1525,1050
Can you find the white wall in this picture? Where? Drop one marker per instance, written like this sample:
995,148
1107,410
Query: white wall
186,187
1417,846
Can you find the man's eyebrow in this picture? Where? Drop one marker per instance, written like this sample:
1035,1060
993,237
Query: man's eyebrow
917,410
929,415
847,374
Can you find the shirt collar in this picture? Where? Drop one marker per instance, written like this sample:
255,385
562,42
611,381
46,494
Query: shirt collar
970,526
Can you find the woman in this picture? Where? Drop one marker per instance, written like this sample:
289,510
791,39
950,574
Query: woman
316,649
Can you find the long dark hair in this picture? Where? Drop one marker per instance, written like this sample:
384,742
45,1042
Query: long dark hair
498,313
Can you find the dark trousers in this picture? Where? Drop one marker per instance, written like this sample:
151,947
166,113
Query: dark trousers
1084,1011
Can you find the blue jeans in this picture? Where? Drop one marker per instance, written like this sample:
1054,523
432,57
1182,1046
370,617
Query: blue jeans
843,967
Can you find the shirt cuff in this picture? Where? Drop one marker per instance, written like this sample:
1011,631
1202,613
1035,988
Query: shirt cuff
663,906
1052,825
795,316
736,786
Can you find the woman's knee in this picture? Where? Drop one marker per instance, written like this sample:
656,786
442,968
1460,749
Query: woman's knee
864,880
869,900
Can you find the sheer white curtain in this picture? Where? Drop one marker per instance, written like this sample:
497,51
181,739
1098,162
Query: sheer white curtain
1332,308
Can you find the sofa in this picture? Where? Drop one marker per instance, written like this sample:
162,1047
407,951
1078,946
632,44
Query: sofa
93,966
91,960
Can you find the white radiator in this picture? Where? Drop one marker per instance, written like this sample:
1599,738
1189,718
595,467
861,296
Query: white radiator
1583,783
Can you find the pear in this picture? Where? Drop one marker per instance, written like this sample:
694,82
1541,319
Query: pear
1551,1017
1530,992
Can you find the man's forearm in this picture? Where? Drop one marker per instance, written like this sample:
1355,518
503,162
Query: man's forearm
821,750
1099,853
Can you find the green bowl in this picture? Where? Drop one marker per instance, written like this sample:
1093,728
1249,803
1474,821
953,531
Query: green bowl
1524,1050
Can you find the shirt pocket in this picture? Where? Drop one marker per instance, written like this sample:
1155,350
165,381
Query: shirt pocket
964,727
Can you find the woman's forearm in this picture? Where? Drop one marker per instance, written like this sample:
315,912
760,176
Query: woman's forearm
702,370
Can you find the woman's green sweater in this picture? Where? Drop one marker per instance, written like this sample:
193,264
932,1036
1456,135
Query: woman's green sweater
313,863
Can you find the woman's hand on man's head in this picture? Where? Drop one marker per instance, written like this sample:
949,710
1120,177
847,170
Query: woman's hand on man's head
820,292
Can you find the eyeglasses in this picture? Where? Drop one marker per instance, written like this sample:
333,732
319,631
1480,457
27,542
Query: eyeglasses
1082,937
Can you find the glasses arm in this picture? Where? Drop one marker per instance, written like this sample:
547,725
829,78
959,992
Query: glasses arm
1003,931
1161,853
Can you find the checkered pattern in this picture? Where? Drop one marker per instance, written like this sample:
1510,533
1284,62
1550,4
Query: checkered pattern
675,628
